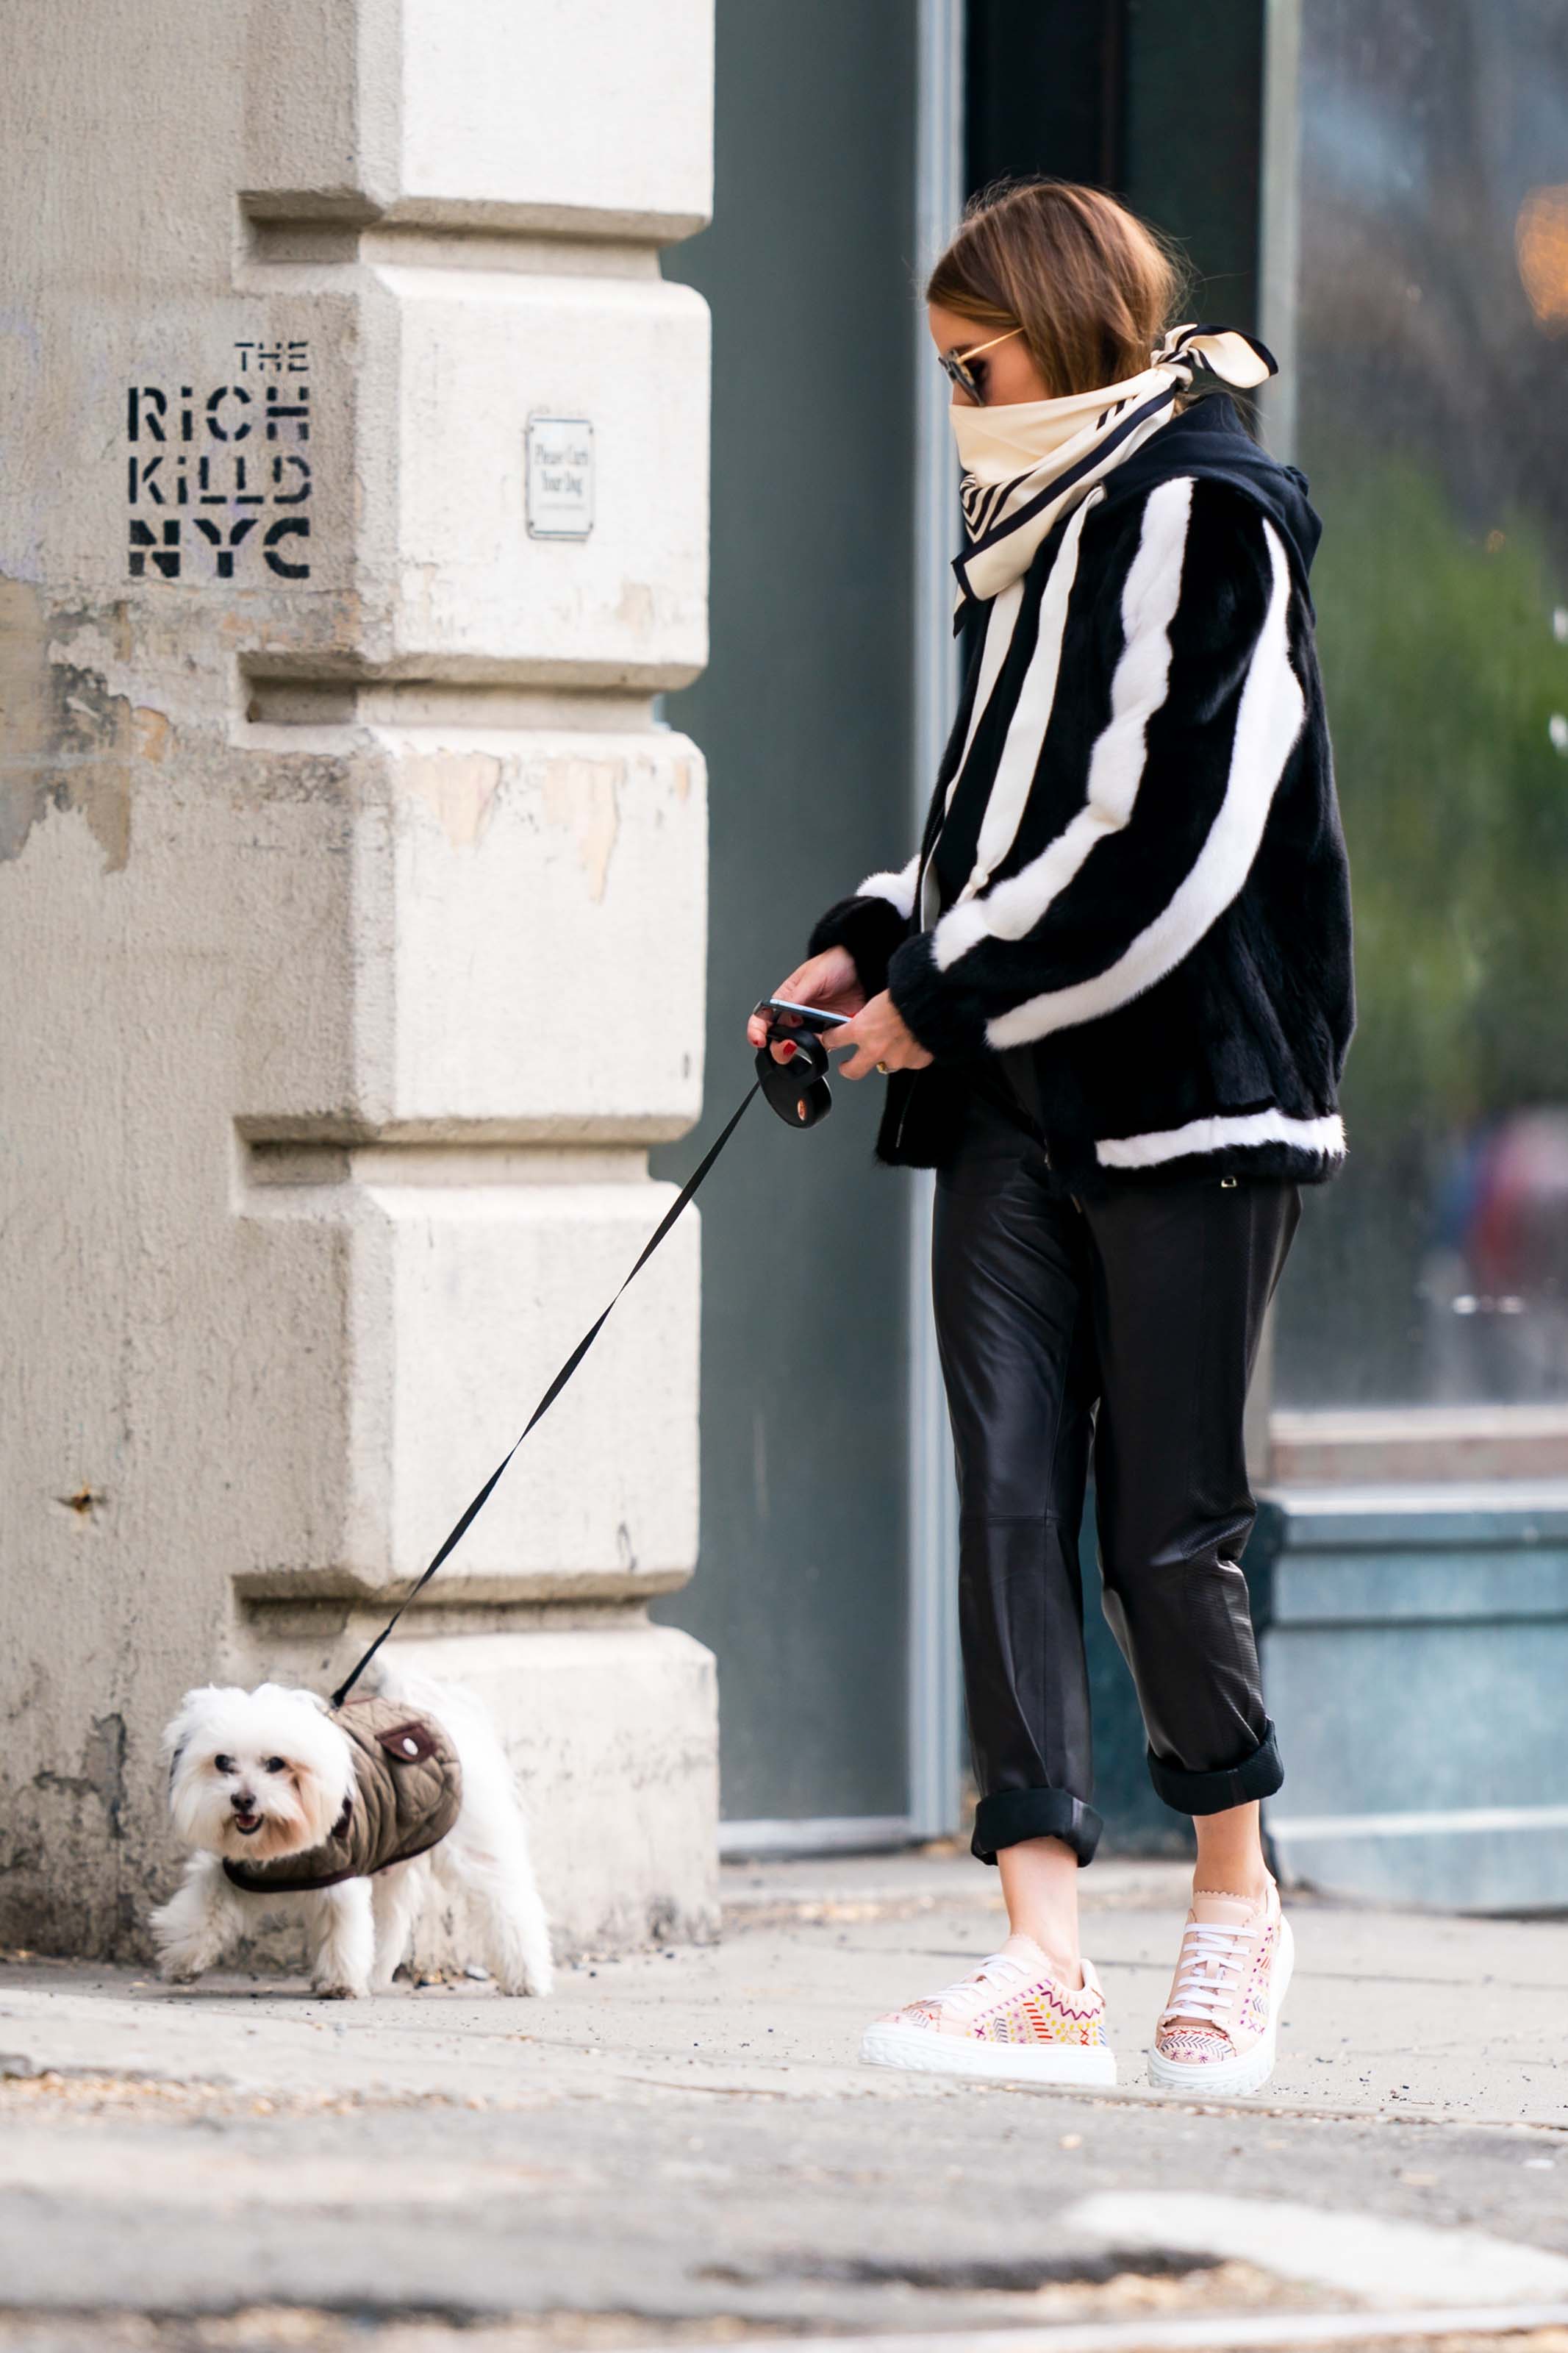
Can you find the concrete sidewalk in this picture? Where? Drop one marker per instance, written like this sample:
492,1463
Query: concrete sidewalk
682,2142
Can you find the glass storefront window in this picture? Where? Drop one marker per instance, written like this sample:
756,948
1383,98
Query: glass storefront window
1432,369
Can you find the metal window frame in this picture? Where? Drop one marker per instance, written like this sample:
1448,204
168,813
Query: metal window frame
934,1705
1278,261
829,1834
1279,224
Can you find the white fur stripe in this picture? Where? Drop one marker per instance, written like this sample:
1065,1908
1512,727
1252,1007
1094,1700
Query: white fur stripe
1020,755
1139,686
1001,618
1000,622
898,890
1326,1136
1268,722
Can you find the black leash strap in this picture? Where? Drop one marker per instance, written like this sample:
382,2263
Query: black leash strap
556,1386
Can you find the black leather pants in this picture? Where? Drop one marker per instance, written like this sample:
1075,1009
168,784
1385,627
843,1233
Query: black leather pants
1129,1324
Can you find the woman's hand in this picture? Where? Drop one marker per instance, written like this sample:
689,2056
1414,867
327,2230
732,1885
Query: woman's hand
881,1040
829,980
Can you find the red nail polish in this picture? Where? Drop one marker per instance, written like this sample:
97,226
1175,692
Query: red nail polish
788,1049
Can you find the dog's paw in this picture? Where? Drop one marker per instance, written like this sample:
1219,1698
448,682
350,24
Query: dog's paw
332,1989
536,1980
182,1956
181,1968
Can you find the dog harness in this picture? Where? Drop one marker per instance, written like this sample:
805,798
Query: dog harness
407,1788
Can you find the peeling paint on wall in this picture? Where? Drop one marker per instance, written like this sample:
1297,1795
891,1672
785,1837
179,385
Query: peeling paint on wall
458,786
637,608
102,1774
66,743
583,796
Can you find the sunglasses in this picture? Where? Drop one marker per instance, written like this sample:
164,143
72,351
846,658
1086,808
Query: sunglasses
956,364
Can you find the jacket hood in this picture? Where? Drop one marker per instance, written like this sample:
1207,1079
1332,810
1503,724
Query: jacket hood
1210,441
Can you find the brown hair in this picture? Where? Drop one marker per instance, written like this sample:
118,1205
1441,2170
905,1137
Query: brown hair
1091,286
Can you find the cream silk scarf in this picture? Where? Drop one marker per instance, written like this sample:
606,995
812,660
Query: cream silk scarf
1026,464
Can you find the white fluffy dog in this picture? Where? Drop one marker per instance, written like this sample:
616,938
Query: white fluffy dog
256,1776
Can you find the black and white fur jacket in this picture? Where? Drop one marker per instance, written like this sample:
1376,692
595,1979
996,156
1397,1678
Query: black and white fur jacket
1133,867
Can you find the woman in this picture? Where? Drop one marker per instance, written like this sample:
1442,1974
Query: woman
1113,992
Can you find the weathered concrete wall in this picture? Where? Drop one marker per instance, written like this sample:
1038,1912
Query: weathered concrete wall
336,843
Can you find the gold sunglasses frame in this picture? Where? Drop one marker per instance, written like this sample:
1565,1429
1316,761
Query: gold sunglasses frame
956,364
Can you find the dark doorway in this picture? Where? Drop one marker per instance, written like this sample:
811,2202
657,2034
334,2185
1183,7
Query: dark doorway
1160,102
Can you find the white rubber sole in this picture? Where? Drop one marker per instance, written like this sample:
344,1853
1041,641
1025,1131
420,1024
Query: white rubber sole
1250,2070
926,2053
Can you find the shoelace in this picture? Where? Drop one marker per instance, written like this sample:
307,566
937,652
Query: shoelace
1211,1955
999,1973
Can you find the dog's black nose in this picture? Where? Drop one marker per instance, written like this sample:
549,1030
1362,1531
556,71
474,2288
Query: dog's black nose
243,1801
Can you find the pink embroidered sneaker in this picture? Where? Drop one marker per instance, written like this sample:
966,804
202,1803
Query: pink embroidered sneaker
1008,2020
1228,1992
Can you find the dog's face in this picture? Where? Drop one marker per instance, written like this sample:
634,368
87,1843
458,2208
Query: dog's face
253,1775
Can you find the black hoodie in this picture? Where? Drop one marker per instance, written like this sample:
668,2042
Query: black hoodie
1133,877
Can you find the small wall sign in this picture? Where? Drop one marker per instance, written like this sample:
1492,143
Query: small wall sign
560,478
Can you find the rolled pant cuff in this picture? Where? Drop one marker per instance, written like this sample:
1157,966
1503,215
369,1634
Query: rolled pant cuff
1258,1775
1012,1815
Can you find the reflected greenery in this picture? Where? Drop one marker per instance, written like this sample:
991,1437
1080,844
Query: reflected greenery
1445,673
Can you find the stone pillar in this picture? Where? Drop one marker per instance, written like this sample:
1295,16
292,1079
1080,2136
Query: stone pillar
352,913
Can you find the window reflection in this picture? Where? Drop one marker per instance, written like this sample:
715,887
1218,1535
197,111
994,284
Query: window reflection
1432,365
1541,240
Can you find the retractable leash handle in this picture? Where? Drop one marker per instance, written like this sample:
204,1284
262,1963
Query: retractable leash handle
797,1089
798,1092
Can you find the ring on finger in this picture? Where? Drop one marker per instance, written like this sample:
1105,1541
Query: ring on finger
883,1068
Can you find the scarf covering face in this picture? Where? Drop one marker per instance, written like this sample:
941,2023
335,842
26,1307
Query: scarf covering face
1027,463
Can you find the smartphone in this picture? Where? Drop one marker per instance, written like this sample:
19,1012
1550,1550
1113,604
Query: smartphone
810,1017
